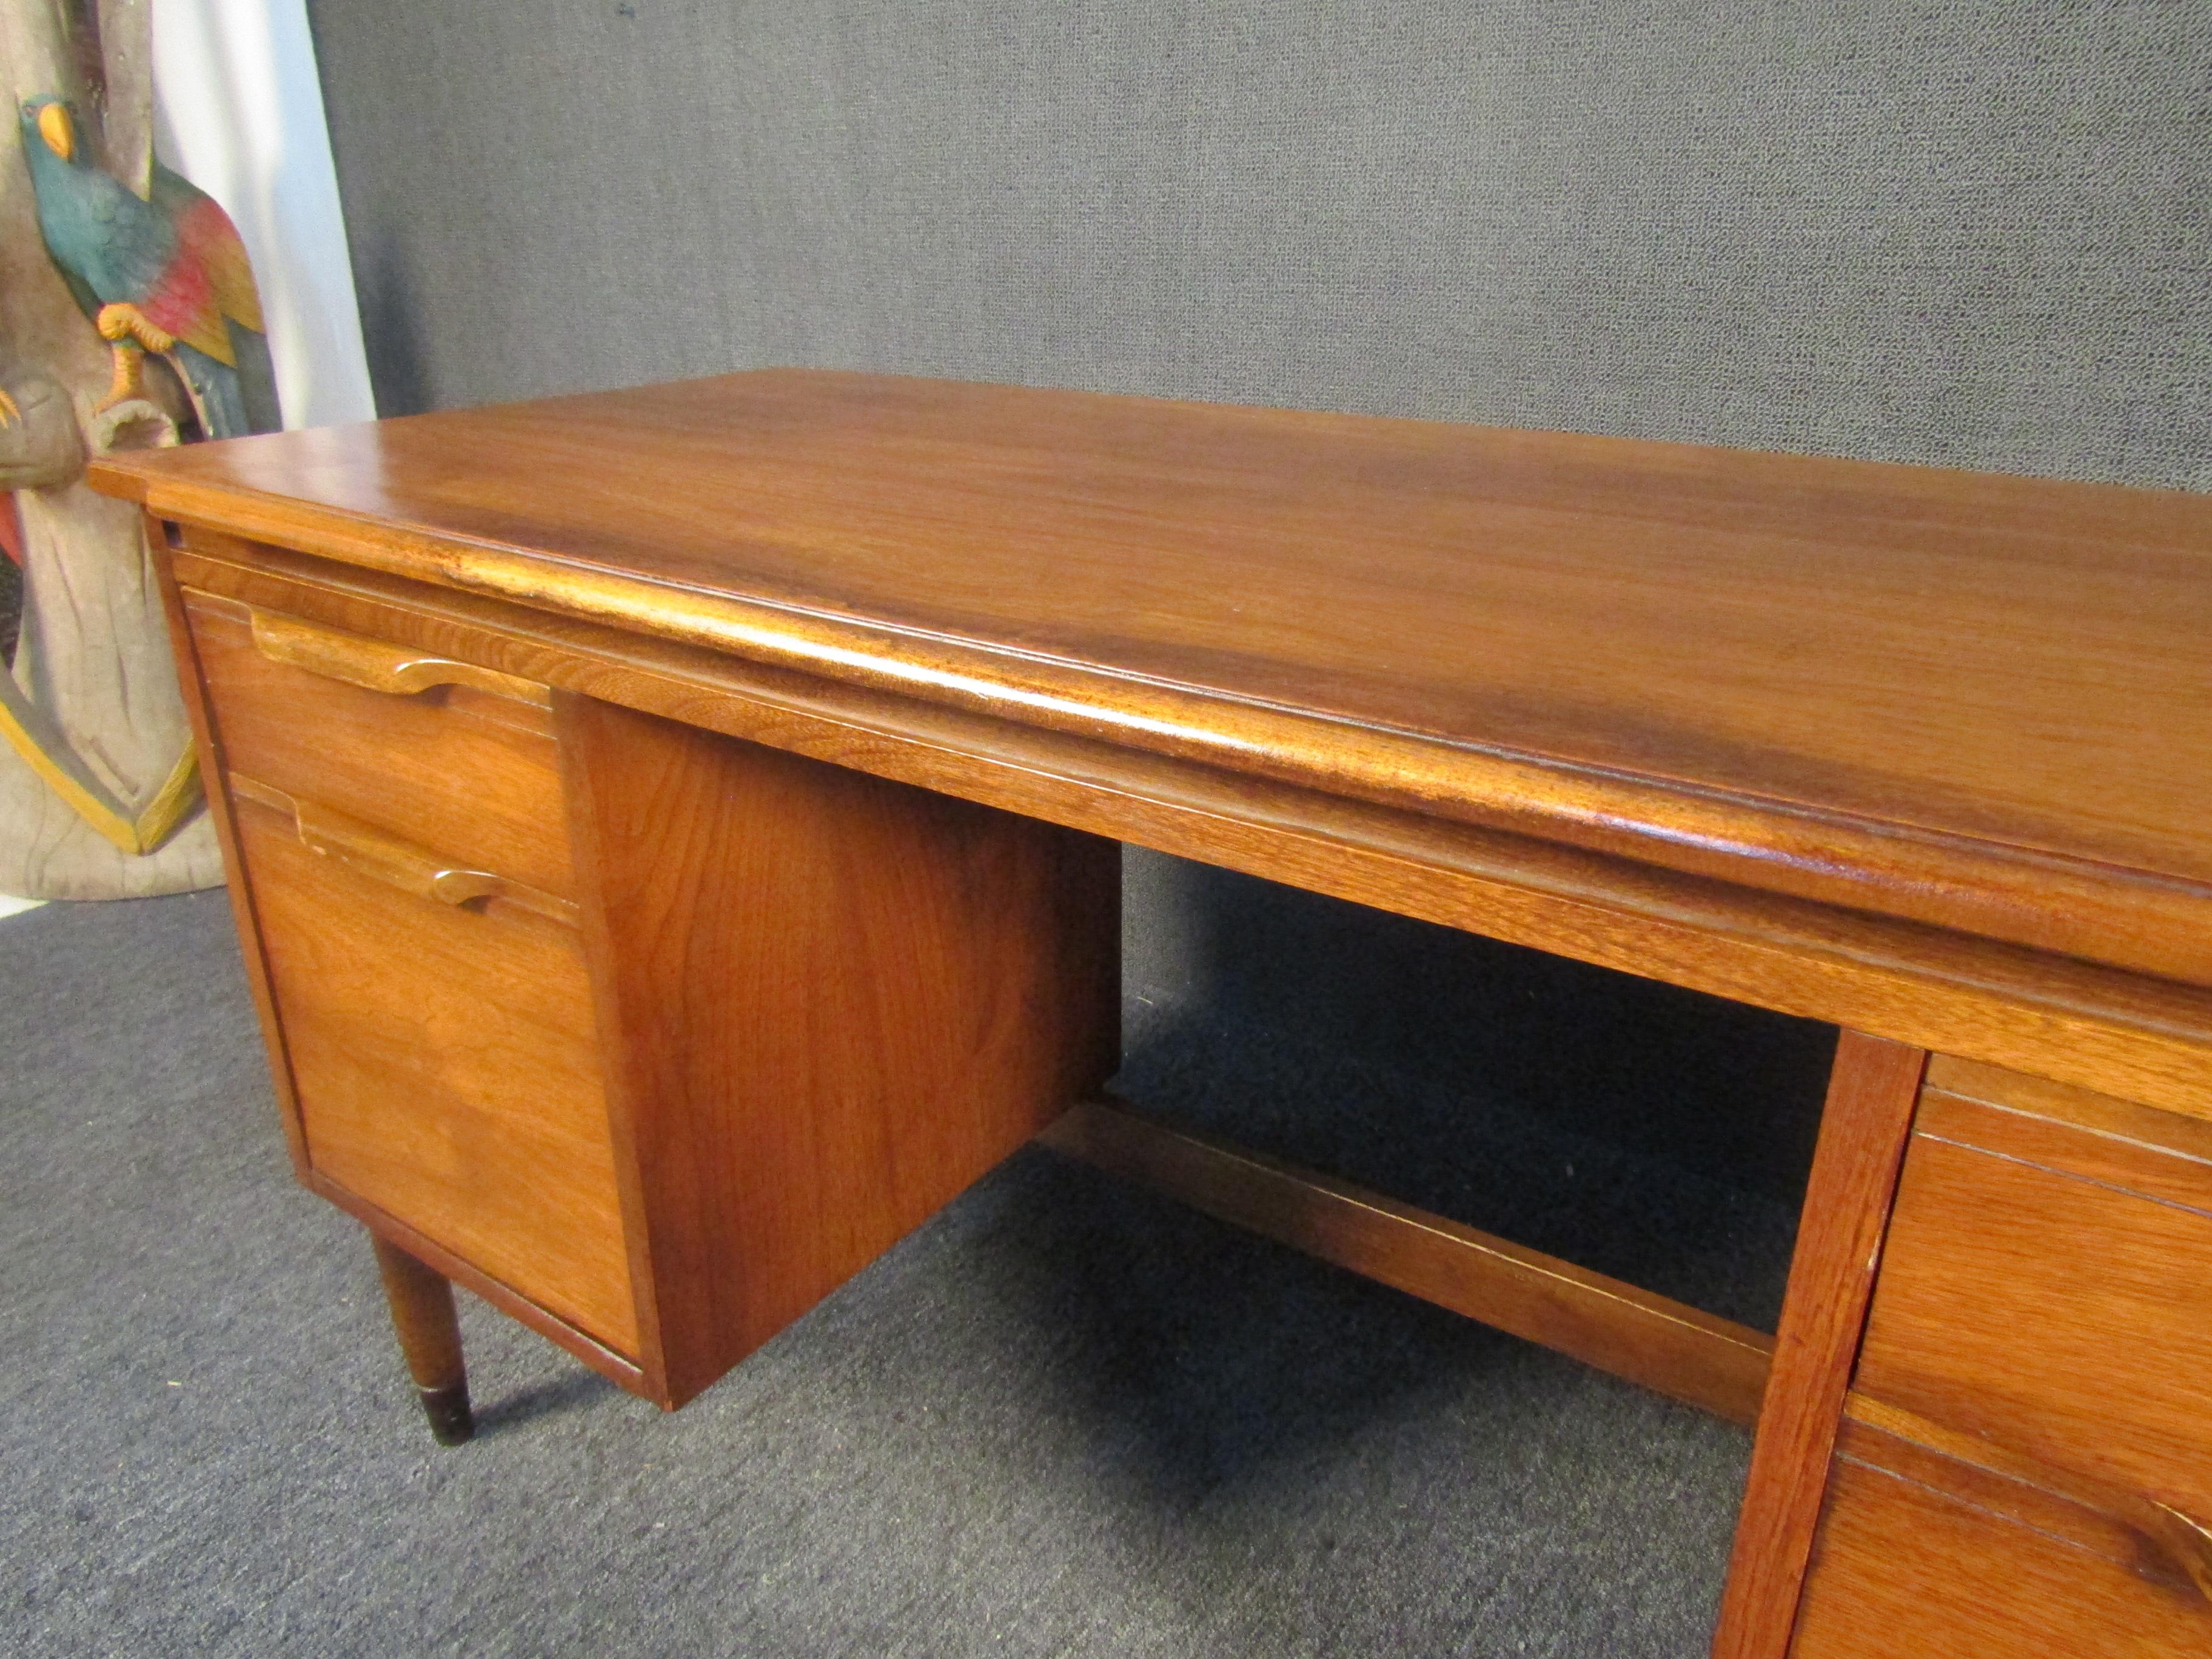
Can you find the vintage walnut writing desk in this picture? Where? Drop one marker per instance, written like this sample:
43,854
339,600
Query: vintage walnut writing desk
673,833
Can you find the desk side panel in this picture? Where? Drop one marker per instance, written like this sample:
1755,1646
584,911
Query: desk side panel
829,1003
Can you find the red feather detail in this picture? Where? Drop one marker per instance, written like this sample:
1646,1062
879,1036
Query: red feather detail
206,229
209,282
182,301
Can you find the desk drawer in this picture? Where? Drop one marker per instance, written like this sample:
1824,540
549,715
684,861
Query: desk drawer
1903,1571
442,753
2047,1287
438,1027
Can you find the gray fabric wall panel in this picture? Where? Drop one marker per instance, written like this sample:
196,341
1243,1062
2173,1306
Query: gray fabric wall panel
1968,233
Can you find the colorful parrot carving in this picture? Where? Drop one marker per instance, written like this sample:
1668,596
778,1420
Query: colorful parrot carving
164,273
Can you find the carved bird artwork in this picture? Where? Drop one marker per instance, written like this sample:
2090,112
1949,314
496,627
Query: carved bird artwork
165,272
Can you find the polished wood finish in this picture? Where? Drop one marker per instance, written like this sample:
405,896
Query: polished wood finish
2038,1298
2162,1155
831,1003
421,1302
382,1223
471,773
726,765
214,764
411,869
444,1070
1711,1363
1863,1132
1959,700
377,665
1878,1437
2032,1383
2153,1537
2150,1039
1907,1571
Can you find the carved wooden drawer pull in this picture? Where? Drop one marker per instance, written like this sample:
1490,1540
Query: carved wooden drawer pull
376,665
2183,1540
2186,1539
398,863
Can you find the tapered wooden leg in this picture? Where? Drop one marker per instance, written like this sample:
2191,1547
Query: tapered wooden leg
422,1313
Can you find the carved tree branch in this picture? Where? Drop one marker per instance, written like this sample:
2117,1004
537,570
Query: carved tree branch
44,448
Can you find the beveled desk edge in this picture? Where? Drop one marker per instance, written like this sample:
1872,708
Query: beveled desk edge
2063,1017
2068,906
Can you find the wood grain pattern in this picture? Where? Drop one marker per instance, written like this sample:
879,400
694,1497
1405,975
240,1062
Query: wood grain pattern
1799,675
2063,1102
2153,1538
445,1071
618,1369
2149,1038
830,1004
2058,1317
1878,1437
1892,748
2111,1159
2161,1154
1863,1132
1697,1358
470,774
1906,1571
376,665
385,857
213,763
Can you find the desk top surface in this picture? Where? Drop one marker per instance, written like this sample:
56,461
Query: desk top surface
1974,700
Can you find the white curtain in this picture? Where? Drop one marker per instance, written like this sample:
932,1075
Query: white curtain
239,111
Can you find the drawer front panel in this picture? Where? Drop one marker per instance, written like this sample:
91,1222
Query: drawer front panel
443,1054
1903,1571
455,757
2051,1311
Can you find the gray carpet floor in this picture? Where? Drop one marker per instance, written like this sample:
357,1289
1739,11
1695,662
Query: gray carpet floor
1065,1417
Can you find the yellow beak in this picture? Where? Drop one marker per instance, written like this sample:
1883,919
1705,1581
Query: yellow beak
54,127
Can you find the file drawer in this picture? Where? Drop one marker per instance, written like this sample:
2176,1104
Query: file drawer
1902,1570
438,1026
2046,1286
